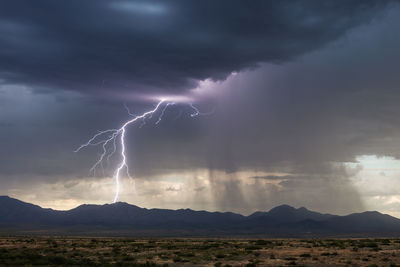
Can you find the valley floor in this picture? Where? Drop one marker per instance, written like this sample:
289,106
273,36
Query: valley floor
16,251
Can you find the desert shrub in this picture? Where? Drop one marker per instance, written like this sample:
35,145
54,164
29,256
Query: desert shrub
32,257
336,243
150,264
368,244
57,260
179,259
116,250
262,242
384,241
128,258
252,247
189,254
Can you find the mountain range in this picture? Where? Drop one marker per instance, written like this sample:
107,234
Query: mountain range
123,219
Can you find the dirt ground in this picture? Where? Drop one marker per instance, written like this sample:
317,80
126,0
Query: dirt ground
51,251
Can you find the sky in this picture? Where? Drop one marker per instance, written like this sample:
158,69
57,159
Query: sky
300,102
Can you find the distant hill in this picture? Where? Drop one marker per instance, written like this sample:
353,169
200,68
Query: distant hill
17,217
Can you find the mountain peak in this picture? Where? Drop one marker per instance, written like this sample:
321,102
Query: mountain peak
120,203
282,208
122,217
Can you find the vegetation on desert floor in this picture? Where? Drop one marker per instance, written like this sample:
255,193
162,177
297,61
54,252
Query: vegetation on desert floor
203,252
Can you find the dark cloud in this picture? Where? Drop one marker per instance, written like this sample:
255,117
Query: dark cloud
143,46
334,97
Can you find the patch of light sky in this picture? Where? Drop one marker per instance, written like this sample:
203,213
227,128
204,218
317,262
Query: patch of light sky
378,181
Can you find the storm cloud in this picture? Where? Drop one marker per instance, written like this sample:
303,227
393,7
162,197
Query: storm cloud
104,47
299,89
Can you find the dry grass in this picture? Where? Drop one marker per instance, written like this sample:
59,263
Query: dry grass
52,251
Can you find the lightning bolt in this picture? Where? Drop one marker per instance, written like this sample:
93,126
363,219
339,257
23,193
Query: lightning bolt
110,136
197,112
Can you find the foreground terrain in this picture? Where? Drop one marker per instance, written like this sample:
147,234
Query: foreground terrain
203,252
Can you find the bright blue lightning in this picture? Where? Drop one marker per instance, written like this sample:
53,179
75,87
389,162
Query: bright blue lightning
110,136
